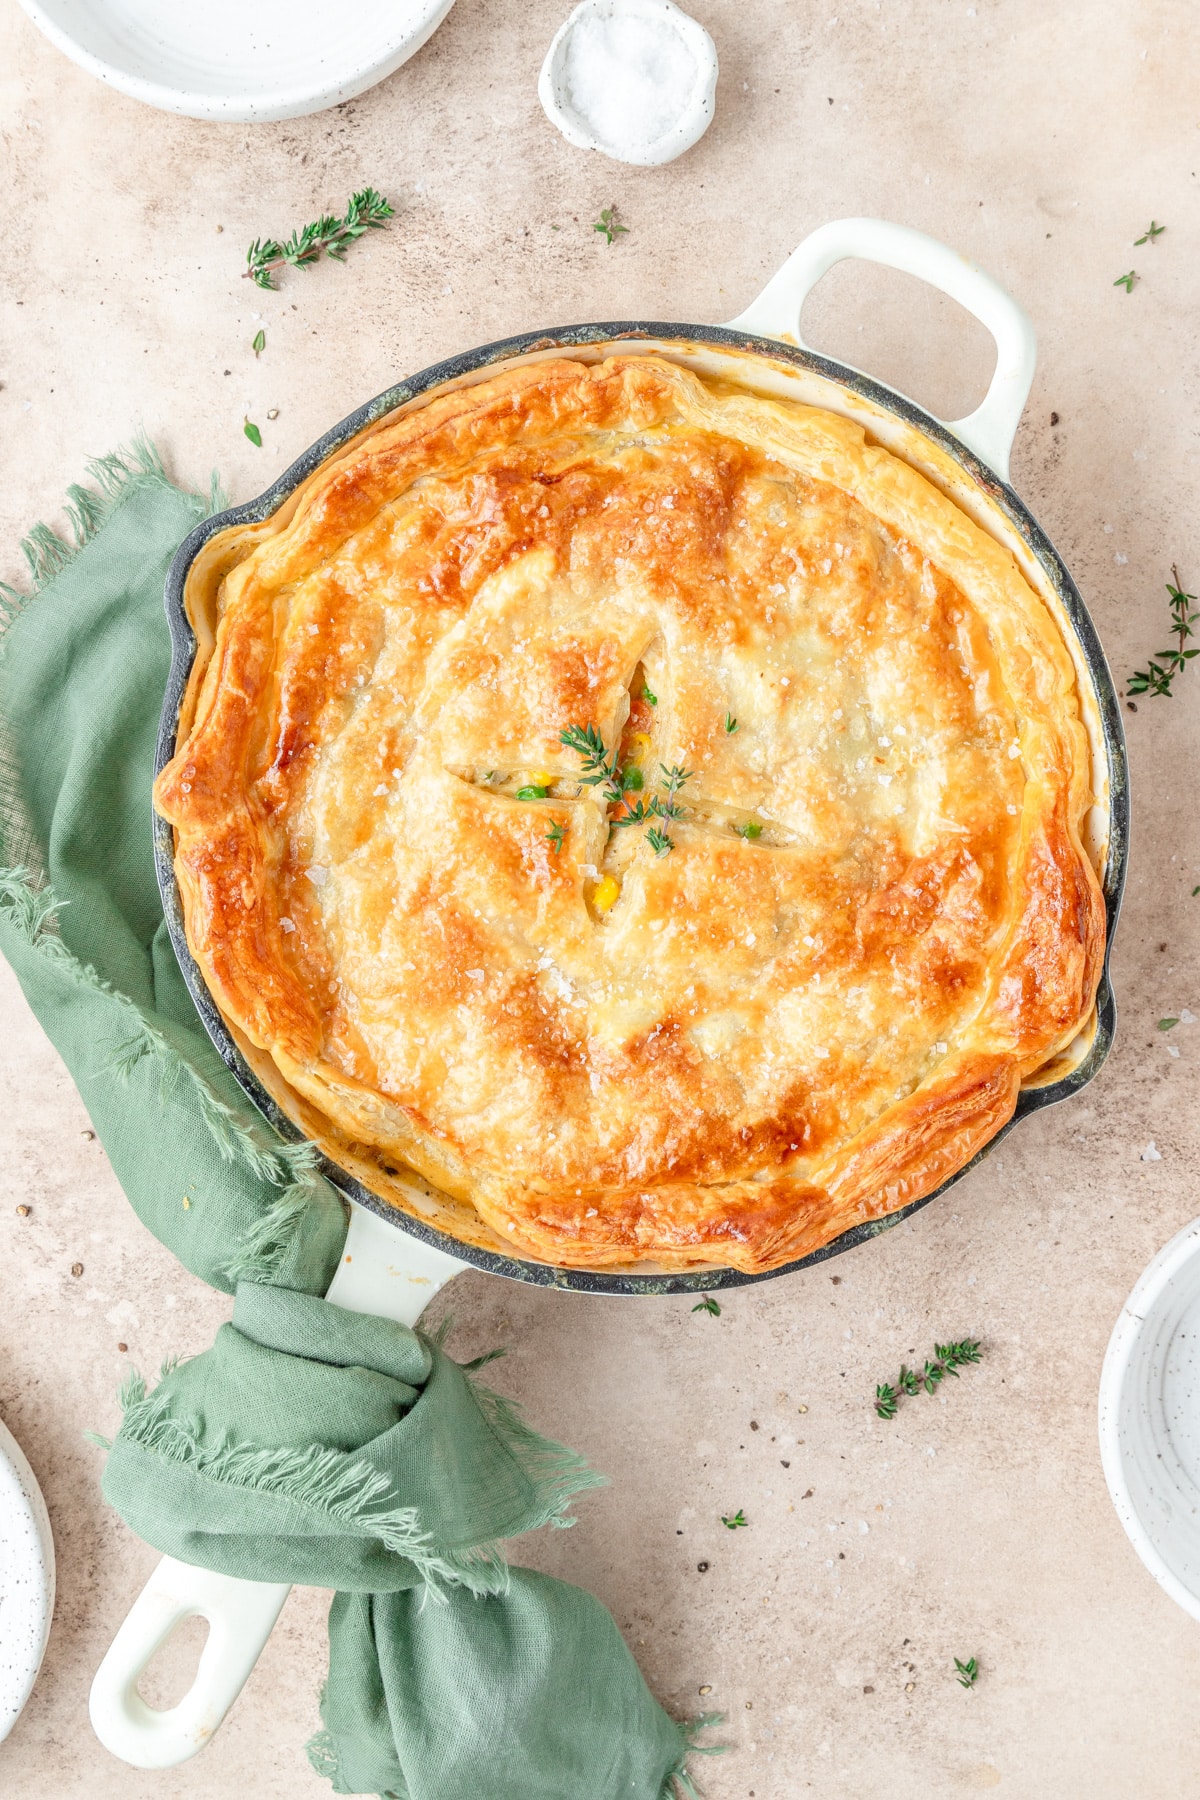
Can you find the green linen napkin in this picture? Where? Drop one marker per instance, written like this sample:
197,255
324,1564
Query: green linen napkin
308,1444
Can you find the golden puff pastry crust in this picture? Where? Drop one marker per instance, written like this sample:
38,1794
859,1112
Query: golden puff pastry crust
799,994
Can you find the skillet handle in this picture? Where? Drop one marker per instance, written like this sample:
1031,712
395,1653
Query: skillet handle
990,429
382,1271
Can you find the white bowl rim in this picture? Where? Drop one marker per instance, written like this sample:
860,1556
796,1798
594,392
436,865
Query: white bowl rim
1138,1308
265,107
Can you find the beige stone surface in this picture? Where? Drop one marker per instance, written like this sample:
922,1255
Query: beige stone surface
1039,139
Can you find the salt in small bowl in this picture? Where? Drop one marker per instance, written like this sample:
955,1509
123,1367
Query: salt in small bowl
634,79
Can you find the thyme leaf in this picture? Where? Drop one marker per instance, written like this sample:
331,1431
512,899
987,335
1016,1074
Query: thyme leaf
967,1672
260,342
1126,281
1151,234
556,835
253,433
734,1520
607,225
708,1305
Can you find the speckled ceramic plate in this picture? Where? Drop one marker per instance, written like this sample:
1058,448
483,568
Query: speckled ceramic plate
1150,1418
226,59
26,1580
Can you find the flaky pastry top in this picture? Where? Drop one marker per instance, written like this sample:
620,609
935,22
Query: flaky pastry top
783,965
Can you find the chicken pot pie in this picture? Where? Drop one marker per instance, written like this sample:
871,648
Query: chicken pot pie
648,812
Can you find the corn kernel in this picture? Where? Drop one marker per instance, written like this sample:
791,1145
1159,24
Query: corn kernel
543,778
641,739
605,893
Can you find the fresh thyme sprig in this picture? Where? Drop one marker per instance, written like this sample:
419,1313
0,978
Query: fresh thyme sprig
607,225
1162,670
556,835
1127,280
602,768
1151,232
734,1520
731,724
708,1305
967,1672
599,769
672,780
328,235
948,1359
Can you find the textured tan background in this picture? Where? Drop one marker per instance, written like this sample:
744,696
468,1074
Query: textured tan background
1039,139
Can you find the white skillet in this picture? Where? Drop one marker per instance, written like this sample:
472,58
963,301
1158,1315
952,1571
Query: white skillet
387,1271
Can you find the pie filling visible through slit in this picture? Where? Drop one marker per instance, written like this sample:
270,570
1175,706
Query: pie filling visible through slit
648,812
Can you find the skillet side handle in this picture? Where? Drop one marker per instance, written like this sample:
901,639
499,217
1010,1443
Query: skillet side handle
990,429
382,1271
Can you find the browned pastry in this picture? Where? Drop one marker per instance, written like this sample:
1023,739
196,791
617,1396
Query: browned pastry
800,993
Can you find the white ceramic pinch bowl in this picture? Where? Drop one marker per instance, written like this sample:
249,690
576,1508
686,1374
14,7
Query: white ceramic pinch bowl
1150,1418
239,60
634,79
26,1580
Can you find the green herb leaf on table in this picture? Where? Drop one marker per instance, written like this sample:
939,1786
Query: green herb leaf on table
328,235
967,1672
1195,891
734,1520
608,226
1126,281
1151,234
253,433
556,835
947,1360
708,1305
260,342
1162,669
1166,1024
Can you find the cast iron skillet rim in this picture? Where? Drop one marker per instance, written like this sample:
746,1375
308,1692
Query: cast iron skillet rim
183,648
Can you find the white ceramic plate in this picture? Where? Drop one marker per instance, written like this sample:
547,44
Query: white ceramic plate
26,1580
1150,1418
249,60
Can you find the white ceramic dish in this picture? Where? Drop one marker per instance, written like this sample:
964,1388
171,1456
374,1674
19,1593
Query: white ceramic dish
239,60
26,1580
1150,1418
641,30
392,1271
